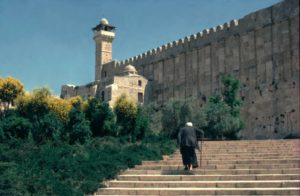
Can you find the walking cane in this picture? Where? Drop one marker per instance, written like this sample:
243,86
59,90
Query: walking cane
201,149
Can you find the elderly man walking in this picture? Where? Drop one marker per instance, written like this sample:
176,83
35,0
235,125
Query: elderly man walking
187,140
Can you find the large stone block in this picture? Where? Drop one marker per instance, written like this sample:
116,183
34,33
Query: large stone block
284,10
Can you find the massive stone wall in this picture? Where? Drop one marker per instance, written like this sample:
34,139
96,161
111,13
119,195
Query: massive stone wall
260,49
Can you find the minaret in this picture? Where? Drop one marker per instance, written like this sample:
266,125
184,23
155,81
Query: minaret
103,35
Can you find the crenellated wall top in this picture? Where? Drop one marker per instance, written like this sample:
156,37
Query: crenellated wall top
256,20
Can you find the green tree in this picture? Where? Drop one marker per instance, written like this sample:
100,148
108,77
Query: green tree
216,112
92,114
153,112
222,113
176,113
232,99
101,117
10,89
230,94
2,136
141,128
126,111
199,119
41,102
78,126
60,107
46,127
34,104
46,113
15,126
93,105
171,118
109,120
185,113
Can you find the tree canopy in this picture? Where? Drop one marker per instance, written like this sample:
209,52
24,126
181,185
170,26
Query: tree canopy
10,89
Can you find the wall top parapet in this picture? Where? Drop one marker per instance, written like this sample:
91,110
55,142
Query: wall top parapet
259,19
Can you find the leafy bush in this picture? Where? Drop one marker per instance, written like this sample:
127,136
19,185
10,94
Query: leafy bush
10,89
78,128
46,127
132,120
14,126
34,104
126,111
230,94
141,127
2,136
64,169
219,118
10,181
159,143
102,118
154,115
217,113
223,116
177,112
171,119
47,148
41,102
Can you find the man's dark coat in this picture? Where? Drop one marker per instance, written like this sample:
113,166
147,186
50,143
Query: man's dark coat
187,137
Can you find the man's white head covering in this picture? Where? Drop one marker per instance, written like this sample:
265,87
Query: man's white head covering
189,124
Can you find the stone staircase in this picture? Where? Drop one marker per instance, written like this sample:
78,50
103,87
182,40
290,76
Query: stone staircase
246,167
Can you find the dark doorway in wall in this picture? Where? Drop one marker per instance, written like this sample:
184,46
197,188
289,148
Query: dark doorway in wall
102,96
140,98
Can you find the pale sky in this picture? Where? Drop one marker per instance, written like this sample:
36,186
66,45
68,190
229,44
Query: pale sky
50,42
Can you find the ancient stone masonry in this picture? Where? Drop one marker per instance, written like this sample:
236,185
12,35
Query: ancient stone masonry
260,49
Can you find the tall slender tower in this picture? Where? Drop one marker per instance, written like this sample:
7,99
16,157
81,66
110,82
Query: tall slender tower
103,35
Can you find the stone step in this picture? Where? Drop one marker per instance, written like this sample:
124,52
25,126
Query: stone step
245,152
265,146
248,143
253,142
279,152
251,156
222,166
210,162
216,171
232,158
214,145
199,191
220,159
236,147
205,184
204,152
242,148
261,177
256,167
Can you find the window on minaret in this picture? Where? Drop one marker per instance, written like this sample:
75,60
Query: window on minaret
105,74
140,82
